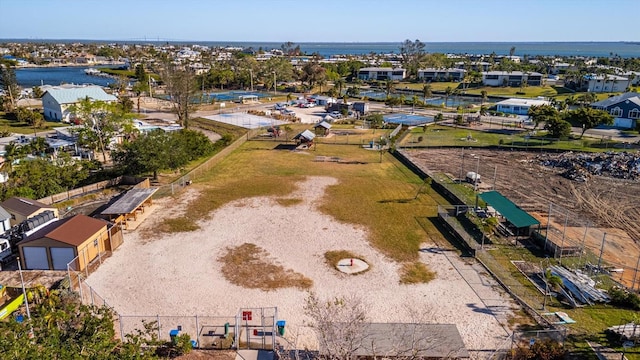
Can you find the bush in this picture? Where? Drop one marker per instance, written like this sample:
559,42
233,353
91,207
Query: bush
623,298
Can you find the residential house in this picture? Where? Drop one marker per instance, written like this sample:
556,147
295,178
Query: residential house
21,209
513,78
382,73
519,106
77,241
624,108
474,65
431,74
57,101
605,83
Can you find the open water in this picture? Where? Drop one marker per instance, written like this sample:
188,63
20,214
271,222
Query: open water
30,77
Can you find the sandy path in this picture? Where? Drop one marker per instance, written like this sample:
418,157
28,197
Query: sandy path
178,274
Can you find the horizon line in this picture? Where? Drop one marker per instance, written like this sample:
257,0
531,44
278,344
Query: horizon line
2,39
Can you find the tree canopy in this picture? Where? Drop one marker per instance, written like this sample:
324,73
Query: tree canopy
589,118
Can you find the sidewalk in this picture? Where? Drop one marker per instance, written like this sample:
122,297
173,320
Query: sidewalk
605,353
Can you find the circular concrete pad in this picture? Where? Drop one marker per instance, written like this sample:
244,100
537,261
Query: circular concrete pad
352,266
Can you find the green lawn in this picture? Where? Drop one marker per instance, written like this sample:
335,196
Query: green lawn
14,126
447,136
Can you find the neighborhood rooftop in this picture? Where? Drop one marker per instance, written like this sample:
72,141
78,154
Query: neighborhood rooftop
73,231
72,95
23,206
631,96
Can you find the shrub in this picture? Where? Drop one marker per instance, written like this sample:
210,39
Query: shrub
624,298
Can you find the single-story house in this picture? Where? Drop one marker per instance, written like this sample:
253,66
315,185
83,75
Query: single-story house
474,65
519,106
605,83
21,209
5,221
382,73
432,74
57,244
57,101
322,100
625,109
322,128
513,78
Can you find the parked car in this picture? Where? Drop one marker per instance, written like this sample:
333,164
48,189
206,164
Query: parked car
335,114
280,106
288,112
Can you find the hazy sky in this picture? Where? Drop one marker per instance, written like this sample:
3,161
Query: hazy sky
322,20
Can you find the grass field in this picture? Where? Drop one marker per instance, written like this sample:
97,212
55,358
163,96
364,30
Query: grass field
380,196
447,136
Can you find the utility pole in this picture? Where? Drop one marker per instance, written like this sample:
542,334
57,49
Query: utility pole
274,82
251,73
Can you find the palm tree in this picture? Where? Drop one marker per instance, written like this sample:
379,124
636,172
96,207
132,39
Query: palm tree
426,92
38,145
389,86
484,97
414,100
447,92
340,84
12,152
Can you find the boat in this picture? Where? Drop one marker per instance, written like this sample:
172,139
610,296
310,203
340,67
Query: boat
91,71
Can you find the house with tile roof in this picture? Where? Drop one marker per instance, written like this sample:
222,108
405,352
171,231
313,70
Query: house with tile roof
56,101
624,108
79,239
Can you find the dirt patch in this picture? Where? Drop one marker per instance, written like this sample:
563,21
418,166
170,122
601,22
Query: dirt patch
600,205
250,266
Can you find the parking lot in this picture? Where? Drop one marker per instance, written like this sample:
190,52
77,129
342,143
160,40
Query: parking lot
306,115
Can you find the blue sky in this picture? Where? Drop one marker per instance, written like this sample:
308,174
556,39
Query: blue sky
323,20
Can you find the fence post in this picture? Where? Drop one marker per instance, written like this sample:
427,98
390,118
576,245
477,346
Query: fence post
91,293
197,332
159,332
121,327
86,262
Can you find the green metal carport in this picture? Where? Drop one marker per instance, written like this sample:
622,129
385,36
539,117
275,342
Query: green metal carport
510,211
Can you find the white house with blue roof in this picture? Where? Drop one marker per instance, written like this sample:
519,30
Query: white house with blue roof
57,101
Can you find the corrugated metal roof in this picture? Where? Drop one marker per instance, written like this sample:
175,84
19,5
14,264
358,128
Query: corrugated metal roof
129,201
305,134
516,216
323,124
72,96
523,102
398,340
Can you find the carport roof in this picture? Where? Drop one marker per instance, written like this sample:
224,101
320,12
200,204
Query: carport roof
516,216
73,231
129,202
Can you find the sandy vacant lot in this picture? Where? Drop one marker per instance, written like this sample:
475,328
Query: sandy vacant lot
179,274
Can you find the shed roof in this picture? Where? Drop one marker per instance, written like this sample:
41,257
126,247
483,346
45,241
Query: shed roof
516,216
398,340
129,202
73,231
323,124
73,95
305,134
23,206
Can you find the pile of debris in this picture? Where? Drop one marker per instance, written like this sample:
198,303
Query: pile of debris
620,165
580,289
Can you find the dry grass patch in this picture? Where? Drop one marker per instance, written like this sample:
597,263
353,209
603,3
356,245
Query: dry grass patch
179,224
249,266
286,202
332,258
415,273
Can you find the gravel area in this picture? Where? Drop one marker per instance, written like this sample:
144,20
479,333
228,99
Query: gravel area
179,274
